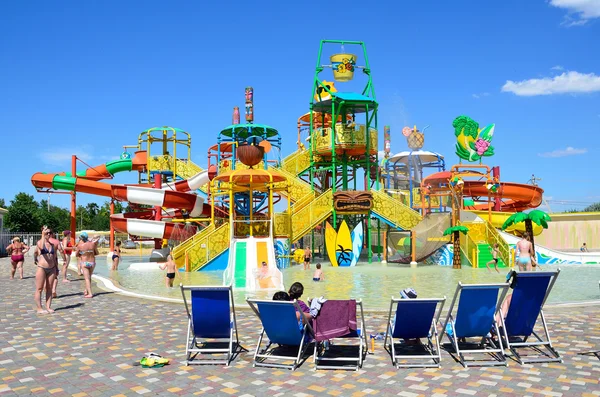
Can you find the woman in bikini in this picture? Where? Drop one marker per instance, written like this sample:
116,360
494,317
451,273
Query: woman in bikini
116,257
87,251
67,244
46,259
17,251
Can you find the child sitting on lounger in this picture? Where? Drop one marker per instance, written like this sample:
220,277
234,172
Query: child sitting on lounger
318,276
283,296
295,292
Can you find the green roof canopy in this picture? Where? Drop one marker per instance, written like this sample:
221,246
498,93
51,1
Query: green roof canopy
245,130
357,102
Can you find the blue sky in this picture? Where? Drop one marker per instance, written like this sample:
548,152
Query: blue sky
87,77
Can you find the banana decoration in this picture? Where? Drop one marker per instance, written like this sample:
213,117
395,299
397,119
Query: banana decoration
472,143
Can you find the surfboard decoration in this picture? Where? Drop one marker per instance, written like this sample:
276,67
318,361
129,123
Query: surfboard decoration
357,242
343,248
330,237
343,244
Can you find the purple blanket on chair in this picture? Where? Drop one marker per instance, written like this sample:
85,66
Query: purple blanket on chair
336,318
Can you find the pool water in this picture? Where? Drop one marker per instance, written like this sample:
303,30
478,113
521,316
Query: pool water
374,283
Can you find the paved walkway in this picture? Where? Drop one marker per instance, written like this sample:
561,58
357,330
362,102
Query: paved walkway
88,348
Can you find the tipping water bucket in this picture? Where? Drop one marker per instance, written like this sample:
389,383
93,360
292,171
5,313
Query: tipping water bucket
343,66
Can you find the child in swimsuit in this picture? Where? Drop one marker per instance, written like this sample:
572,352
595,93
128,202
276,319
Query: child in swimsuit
318,276
494,260
116,258
171,270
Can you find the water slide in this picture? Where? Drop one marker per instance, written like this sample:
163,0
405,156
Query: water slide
515,196
549,256
244,269
173,196
498,219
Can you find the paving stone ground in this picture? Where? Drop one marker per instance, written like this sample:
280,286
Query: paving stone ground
88,348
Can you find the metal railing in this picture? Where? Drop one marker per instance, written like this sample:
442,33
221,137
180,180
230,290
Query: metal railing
484,232
305,219
296,162
243,228
300,191
398,214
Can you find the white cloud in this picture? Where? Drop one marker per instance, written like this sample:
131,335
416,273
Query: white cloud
483,94
62,156
557,67
569,151
579,12
565,83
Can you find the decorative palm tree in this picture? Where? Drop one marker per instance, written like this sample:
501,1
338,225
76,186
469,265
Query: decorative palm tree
536,216
455,232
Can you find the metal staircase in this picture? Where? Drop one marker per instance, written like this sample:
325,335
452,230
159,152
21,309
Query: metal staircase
393,212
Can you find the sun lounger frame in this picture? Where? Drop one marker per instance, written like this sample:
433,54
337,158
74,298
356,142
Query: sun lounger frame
362,348
513,346
433,349
193,345
260,358
496,350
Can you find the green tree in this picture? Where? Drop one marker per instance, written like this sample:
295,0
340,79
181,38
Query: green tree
590,208
2,203
23,214
84,221
57,218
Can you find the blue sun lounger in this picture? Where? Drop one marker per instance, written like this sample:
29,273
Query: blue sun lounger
211,315
474,318
530,291
281,326
415,319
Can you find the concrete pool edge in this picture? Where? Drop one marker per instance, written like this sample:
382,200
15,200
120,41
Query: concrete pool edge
111,285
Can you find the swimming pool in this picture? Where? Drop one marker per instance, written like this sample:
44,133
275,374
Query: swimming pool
375,283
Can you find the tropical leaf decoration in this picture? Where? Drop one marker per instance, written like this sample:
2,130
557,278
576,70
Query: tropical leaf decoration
466,126
536,216
453,229
472,143
539,218
515,218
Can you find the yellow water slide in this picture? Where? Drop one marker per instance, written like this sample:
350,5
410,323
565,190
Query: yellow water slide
497,219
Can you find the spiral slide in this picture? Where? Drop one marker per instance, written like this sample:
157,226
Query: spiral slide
515,196
173,196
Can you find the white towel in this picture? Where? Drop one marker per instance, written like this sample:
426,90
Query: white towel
315,306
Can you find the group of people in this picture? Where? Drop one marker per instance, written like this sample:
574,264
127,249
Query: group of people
525,258
318,274
295,293
45,257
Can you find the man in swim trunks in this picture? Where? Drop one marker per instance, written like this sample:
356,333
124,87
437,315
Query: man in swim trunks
307,256
525,253
87,251
171,270
17,251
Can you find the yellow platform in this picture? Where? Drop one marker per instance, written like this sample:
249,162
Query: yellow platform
498,219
